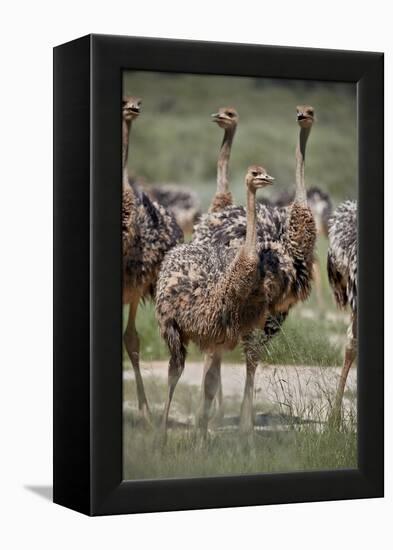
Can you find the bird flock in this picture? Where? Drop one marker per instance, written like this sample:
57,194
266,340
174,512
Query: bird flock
236,280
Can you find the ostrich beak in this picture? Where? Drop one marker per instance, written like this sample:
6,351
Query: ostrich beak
269,179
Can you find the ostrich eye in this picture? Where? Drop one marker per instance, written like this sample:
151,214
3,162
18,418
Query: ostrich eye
231,115
310,112
254,174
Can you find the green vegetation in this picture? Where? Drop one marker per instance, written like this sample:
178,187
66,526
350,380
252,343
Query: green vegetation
309,446
228,453
175,141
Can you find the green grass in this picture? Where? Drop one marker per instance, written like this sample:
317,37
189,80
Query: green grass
309,446
298,446
228,453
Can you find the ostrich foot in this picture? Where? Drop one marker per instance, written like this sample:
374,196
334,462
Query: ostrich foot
335,419
201,429
145,417
203,439
160,438
246,424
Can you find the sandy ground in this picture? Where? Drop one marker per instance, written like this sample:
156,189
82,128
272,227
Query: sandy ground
301,390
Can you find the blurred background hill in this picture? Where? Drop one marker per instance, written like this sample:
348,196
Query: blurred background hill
175,141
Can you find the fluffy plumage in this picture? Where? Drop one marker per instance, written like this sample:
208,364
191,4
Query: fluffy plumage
149,231
217,294
319,202
228,228
342,255
182,203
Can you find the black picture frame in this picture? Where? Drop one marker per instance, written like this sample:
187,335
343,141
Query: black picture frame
87,274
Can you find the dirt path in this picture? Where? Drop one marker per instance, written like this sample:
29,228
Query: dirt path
302,390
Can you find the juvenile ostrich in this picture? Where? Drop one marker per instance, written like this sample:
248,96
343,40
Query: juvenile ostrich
226,118
183,203
321,207
342,272
318,200
213,295
148,232
294,228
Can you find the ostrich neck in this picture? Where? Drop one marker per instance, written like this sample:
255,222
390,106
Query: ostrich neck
251,233
239,280
129,200
125,140
300,237
223,160
301,194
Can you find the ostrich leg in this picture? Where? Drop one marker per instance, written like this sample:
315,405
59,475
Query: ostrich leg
218,415
131,341
252,343
349,357
246,411
175,369
210,385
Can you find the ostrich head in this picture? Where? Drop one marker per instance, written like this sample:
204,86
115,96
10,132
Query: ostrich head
131,107
257,177
305,115
226,117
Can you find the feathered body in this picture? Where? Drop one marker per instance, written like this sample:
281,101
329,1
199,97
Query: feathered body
217,294
221,201
342,255
319,202
182,203
291,228
149,232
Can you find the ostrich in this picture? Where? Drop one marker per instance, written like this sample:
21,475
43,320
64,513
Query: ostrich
321,208
183,203
213,295
318,200
131,107
226,118
148,232
294,228
342,273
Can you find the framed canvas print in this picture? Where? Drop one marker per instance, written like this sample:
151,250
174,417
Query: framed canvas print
218,313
